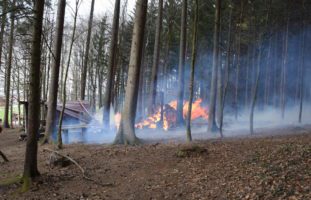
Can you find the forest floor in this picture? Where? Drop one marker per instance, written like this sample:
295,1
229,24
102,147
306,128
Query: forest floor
264,167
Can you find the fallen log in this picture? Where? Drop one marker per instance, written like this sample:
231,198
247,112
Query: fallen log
4,157
80,167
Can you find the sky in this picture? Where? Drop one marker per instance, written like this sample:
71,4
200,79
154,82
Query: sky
101,7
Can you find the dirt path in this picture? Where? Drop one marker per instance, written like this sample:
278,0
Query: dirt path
270,167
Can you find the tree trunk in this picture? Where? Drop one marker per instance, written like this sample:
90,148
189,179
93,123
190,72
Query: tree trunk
227,73
53,91
59,132
181,65
193,62
86,56
155,63
3,21
30,165
302,63
255,91
8,71
284,71
111,65
126,133
239,63
18,96
212,127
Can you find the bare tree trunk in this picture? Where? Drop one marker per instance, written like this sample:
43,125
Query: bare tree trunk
255,91
212,127
30,165
193,62
268,74
302,63
57,49
227,73
3,21
284,71
18,96
59,132
155,63
111,65
8,71
11,106
181,65
126,133
49,64
239,63
86,56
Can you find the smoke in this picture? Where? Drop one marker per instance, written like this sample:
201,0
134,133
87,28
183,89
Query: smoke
268,109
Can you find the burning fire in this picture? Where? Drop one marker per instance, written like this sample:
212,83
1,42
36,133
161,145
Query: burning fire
117,119
170,115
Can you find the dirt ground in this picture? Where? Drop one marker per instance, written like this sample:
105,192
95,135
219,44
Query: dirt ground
266,167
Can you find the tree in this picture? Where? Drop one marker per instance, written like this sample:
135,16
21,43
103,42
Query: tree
155,63
227,72
283,85
212,127
86,56
255,90
302,61
181,65
126,132
59,132
111,64
30,165
8,70
3,22
193,60
258,74
53,88
238,61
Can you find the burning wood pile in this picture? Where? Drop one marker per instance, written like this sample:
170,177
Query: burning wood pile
169,118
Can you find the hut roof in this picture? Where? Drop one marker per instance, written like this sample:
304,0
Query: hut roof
77,109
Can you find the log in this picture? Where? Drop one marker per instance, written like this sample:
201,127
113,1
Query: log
79,166
4,157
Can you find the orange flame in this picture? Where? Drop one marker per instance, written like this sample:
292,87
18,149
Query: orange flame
169,117
117,120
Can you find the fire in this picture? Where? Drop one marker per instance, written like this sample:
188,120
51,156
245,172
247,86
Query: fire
170,115
117,120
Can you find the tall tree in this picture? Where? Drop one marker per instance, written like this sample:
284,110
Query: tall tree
227,72
302,62
86,56
59,134
238,60
258,74
9,69
111,64
30,165
3,22
283,85
155,63
126,132
53,88
181,65
212,127
193,61
255,90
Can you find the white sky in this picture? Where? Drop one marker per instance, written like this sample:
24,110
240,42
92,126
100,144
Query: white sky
101,7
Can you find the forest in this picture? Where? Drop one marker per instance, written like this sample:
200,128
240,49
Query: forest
158,99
